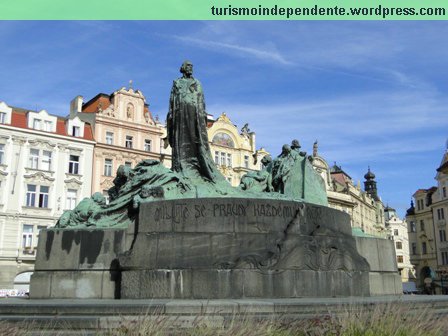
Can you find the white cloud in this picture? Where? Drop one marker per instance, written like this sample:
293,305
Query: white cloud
350,128
261,54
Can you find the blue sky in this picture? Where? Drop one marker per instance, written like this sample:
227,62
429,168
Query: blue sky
371,93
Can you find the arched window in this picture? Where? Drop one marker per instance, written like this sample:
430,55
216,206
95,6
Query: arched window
223,139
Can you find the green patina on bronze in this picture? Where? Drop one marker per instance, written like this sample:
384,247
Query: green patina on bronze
194,174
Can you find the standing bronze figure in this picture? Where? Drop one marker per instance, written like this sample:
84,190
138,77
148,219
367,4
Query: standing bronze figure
187,128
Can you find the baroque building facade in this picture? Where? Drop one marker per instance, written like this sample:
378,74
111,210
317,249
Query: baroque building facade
397,230
233,150
45,168
364,206
125,133
428,232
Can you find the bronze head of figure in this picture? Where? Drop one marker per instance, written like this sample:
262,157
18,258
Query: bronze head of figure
186,69
295,144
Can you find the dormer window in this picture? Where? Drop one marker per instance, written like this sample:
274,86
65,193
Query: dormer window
37,124
75,127
5,113
48,125
76,131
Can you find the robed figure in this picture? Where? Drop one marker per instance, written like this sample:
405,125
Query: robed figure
187,128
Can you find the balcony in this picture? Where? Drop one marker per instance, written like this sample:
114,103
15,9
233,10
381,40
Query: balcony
441,223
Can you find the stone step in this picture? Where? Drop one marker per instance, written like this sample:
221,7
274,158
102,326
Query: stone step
66,315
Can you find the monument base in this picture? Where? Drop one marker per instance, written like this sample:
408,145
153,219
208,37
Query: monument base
240,283
217,248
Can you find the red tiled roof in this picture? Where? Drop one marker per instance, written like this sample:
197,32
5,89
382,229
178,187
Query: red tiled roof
92,105
341,178
420,191
425,191
60,127
19,119
88,132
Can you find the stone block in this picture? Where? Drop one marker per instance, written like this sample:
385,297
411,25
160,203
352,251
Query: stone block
387,256
284,285
77,284
79,249
204,284
58,250
141,257
368,248
130,285
257,284
40,287
110,288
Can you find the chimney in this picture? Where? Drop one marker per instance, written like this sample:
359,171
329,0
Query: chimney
76,105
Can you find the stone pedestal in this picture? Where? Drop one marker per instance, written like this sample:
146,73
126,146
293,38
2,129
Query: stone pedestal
79,263
217,248
222,248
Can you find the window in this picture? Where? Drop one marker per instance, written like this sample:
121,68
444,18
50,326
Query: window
70,202
128,164
422,204
39,160
444,192
76,131
147,147
106,196
395,232
246,161
128,141
73,164
229,179
412,226
108,167
424,251
34,158
46,160
43,197
422,225
109,138
217,158
399,259
37,196
223,159
27,236
444,258
399,245
440,214
30,195
36,124
2,118
442,235
2,153
414,248
229,160
48,126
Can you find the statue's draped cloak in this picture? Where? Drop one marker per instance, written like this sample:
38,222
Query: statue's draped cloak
187,131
